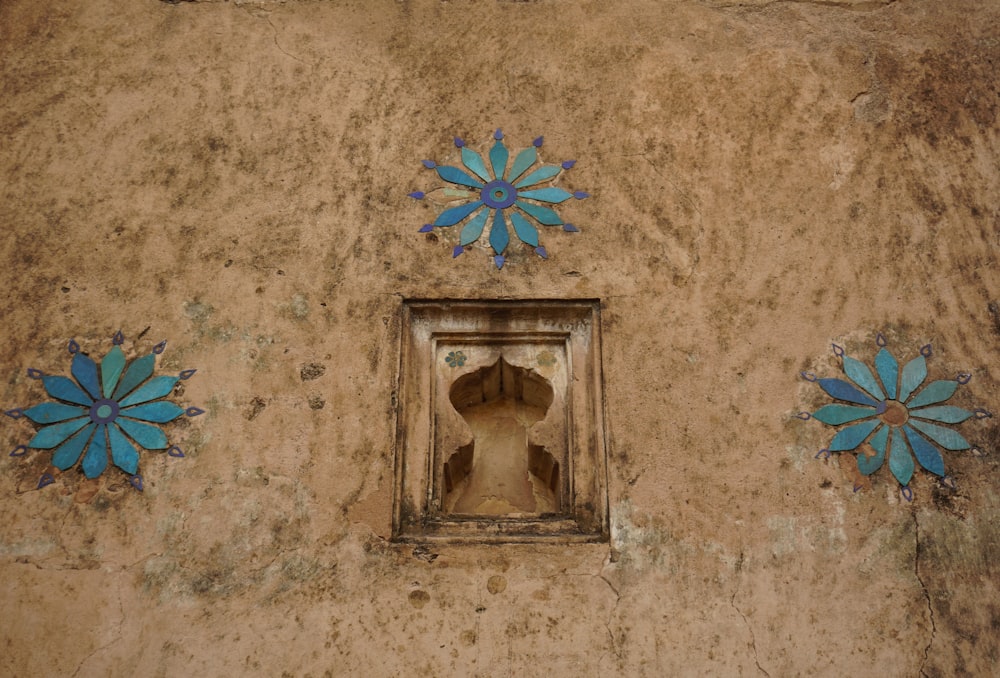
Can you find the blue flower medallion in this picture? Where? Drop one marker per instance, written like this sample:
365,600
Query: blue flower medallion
501,195
106,408
890,418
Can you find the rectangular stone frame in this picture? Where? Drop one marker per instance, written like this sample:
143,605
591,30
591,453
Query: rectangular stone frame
416,514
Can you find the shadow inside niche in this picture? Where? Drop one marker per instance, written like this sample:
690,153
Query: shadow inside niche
500,473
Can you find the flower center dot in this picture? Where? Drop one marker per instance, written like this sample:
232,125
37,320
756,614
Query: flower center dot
104,411
895,413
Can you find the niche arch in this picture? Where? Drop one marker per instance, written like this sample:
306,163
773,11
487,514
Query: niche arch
503,471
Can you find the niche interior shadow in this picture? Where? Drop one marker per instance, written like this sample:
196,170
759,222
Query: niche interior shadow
501,472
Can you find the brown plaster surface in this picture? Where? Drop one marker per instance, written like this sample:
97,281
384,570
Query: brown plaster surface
766,177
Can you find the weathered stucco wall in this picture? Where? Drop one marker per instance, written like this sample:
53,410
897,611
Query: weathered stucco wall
766,177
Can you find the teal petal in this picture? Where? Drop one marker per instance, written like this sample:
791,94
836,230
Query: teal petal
69,452
49,413
457,176
158,412
123,453
936,392
64,388
452,216
550,194
50,436
927,454
539,175
542,214
913,376
499,237
139,371
524,160
888,372
498,159
859,373
156,387
900,460
527,233
841,414
472,230
85,371
852,436
96,459
148,436
945,437
111,370
868,465
474,162
946,414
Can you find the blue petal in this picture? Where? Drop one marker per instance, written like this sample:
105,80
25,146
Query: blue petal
475,163
69,452
888,372
852,436
499,237
472,230
498,159
936,392
914,374
927,454
527,233
946,414
158,412
50,436
549,194
85,371
457,176
859,373
868,465
543,214
539,175
49,413
125,456
524,160
111,370
96,459
841,414
139,371
945,437
452,216
841,390
148,436
66,389
900,459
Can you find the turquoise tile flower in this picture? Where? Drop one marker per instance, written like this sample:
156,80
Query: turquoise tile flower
106,411
495,196
891,415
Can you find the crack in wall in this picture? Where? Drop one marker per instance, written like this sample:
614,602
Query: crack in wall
927,595
869,6
732,603
615,649
117,634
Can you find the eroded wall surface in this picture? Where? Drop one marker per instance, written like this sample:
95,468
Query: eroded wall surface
766,177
